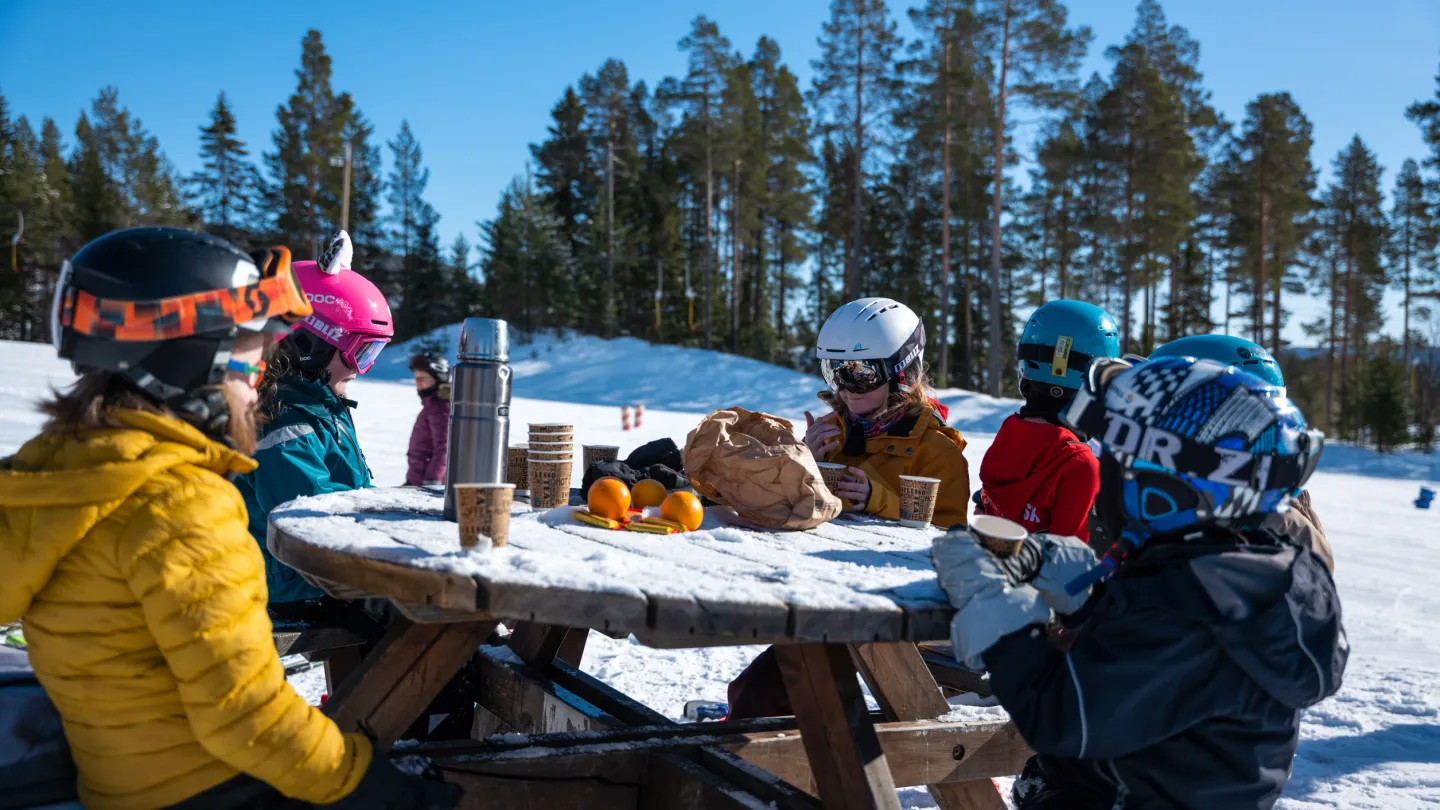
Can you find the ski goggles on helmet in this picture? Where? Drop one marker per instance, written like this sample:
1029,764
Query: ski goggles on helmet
275,300
361,351
252,374
854,376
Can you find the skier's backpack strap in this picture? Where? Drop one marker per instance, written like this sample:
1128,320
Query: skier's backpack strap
35,764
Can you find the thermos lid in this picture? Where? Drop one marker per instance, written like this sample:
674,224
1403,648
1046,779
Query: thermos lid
485,339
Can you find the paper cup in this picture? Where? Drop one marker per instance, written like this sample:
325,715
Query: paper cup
832,473
999,536
483,510
596,453
515,470
549,483
917,500
551,427
552,438
551,446
551,455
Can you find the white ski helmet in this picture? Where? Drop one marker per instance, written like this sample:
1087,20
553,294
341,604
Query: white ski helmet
871,342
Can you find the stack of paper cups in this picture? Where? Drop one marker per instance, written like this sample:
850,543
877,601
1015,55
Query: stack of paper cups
550,456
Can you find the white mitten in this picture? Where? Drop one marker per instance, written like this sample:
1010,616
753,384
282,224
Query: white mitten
987,606
1065,558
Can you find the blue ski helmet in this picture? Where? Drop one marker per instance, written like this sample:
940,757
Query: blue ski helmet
1188,443
1232,351
1061,340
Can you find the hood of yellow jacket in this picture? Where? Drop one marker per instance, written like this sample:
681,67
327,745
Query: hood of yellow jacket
60,485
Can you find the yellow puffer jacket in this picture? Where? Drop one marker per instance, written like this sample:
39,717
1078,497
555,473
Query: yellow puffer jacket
927,447
143,597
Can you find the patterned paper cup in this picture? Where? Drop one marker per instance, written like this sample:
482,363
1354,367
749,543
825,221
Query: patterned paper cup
917,500
483,510
551,446
549,483
515,470
551,455
551,427
832,473
999,536
552,438
596,453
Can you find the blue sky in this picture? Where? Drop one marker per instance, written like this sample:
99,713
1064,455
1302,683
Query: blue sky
476,78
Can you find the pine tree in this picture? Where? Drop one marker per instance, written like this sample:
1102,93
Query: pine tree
1384,408
306,191
408,178
785,132
1270,179
225,188
699,97
854,77
526,264
563,167
1033,51
1360,231
1412,249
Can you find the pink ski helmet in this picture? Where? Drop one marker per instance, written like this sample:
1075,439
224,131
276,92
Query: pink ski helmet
351,313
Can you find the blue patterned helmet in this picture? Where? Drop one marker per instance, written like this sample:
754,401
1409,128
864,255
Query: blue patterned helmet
1062,338
1188,443
1228,350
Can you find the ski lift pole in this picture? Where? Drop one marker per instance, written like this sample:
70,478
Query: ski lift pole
15,243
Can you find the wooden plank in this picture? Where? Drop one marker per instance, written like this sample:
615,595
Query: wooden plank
529,703
298,639
426,586
573,607
845,755
404,673
536,643
948,673
769,788
505,792
572,649
339,665
901,683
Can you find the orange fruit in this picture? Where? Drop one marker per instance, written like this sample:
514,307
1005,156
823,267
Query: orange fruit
649,493
609,498
683,508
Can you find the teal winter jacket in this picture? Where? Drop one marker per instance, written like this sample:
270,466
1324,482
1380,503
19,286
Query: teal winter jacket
308,448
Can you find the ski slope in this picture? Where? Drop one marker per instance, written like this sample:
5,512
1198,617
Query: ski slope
1374,745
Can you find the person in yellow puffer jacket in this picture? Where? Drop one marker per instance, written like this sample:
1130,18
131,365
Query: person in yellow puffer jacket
124,547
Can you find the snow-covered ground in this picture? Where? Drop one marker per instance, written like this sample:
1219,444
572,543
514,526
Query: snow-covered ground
1374,745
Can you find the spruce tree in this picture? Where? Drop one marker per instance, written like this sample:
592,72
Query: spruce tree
225,188
408,178
854,77
1360,233
1033,52
564,170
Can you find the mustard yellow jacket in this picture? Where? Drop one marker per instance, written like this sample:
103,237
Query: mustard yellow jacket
143,596
923,446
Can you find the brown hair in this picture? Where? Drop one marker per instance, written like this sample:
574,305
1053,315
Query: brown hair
91,404
915,401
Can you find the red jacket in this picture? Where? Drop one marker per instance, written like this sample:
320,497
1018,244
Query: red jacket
1041,476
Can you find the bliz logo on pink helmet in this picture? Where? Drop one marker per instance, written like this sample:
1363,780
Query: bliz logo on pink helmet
328,331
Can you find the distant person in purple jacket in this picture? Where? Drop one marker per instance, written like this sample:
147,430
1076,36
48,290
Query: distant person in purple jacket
431,435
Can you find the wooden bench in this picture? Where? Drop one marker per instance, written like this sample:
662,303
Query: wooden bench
338,648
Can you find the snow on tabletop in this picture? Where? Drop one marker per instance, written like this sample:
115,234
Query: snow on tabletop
849,565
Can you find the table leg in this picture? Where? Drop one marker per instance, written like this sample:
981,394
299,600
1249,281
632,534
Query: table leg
572,649
844,752
339,664
902,684
537,644
402,676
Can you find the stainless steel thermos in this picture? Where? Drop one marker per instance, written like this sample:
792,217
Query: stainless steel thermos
479,408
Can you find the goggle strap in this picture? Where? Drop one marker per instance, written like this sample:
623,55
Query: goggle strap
181,315
1045,355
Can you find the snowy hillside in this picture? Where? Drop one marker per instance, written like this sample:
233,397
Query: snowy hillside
1375,745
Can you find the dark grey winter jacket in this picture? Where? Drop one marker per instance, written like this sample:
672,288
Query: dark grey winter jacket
1184,685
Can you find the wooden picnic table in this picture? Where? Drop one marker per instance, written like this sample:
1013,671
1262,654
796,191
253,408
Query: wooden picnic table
856,594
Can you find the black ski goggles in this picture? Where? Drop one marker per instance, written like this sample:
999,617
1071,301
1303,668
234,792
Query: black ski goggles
853,376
